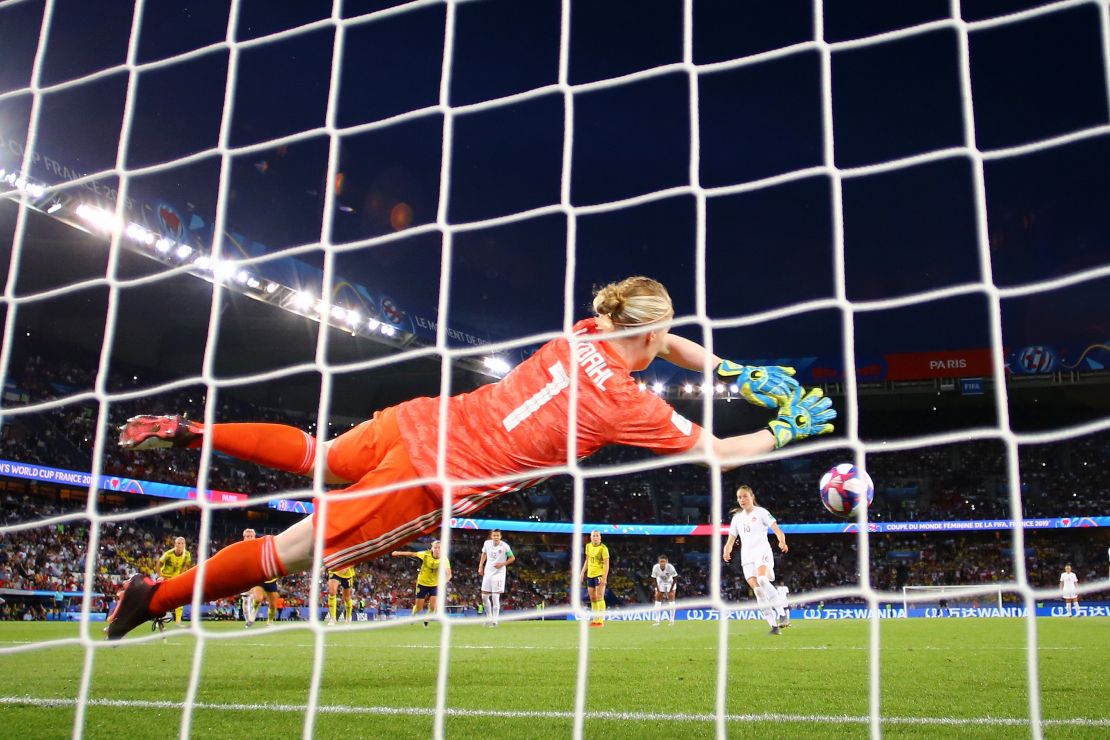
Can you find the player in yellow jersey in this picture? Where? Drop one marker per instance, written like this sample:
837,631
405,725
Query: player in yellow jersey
342,578
427,580
173,563
596,572
270,588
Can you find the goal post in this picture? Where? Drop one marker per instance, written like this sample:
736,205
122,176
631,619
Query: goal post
928,594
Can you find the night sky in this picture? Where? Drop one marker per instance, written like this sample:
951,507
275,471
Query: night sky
906,230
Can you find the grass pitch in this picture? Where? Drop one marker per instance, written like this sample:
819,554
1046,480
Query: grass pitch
940,678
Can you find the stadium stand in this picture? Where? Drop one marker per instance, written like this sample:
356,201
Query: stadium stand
961,481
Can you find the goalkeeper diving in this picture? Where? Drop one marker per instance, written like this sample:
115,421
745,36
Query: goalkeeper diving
495,433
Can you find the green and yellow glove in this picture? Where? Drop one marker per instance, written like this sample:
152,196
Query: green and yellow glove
802,416
768,386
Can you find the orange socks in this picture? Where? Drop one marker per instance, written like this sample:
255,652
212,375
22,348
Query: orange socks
230,572
271,445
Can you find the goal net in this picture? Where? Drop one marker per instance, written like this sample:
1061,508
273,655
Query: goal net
949,597
315,213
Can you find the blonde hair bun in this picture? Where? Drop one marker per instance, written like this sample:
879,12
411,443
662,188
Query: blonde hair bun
633,301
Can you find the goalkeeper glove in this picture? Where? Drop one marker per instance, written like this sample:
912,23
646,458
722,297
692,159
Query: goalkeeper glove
767,386
803,416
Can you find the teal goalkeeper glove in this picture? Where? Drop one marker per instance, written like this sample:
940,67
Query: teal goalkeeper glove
768,386
803,416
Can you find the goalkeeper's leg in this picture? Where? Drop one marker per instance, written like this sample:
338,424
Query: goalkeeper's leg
270,445
355,530
348,458
273,445
233,569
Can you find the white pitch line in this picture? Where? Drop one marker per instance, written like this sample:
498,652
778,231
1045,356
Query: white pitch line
558,715
655,648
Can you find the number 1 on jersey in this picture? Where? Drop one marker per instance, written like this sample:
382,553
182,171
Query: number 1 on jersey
559,381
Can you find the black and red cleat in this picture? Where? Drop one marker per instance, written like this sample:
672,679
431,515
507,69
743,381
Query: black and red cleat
132,606
154,432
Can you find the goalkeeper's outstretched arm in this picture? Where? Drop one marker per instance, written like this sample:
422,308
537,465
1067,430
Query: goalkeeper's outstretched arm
801,416
734,450
768,386
687,353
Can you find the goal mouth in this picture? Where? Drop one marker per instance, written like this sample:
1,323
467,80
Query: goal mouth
238,233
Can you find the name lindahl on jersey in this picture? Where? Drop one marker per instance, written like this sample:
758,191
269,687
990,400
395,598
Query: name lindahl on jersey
593,362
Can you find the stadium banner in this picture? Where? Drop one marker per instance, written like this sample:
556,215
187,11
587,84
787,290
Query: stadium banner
58,595
1091,609
298,613
117,484
112,483
679,530
370,614
76,617
973,364
705,530
291,505
919,365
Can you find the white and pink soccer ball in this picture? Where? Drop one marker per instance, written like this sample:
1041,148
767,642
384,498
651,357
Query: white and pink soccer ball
844,488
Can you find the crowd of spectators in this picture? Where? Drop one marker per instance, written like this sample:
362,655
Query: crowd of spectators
962,481
65,436
958,481
952,482
52,558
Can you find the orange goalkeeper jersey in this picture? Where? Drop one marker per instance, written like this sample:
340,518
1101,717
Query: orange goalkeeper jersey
520,423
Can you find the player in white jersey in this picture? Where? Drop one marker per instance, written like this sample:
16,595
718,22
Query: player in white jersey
492,566
781,604
664,574
750,524
1068,582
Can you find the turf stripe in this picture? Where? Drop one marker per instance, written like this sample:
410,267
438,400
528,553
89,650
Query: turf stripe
564,715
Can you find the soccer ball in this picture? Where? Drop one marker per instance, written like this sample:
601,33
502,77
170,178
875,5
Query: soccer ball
844,487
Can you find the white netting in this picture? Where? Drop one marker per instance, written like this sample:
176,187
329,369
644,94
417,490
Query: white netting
90,638
947,594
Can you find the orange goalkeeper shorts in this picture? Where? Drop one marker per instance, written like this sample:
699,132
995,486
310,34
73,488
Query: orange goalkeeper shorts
360,528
